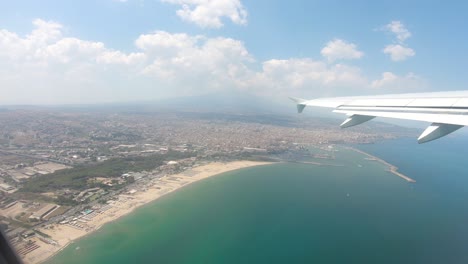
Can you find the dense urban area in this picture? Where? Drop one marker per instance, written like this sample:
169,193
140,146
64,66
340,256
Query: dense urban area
66,167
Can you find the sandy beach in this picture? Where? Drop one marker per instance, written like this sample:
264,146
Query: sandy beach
64,234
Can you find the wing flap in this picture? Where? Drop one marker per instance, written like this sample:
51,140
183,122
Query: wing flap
355,120
433,118
447,111
435,131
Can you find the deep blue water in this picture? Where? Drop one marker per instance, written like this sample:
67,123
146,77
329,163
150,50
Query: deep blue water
440,166
441,171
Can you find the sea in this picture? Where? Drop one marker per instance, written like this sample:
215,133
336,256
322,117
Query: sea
350,210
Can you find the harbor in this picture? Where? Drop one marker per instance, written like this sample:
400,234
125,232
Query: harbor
391,168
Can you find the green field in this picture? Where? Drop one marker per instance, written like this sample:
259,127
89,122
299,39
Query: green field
77,178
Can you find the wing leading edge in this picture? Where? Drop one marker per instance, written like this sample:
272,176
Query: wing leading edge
447,111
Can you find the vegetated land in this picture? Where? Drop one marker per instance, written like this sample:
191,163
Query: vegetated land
77,178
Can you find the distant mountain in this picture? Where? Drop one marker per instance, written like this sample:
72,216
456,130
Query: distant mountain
226,102
215,102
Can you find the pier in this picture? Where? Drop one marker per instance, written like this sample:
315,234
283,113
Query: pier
391,168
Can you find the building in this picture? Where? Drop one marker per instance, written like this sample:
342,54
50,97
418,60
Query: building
39,214
6,188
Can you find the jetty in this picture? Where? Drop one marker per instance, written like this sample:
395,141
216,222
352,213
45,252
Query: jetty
391,168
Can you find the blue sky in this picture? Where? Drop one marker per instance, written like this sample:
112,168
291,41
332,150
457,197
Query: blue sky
108,51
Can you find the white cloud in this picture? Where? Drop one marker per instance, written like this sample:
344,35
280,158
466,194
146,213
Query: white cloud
340,49
47,44
307,77
44,33
398,53
60,67
387,77
165,44
400,31
208,13
46,66
395,83
184,60
118,57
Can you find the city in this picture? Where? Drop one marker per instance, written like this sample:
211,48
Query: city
69,168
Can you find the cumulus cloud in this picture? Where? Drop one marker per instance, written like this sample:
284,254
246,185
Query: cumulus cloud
387,77
311,78
398,52
392,82
185,60
399,30
308,76
52,66
46,66
340,49
46,43
208,13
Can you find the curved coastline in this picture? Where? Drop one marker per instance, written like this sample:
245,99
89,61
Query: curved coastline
66,235
126,204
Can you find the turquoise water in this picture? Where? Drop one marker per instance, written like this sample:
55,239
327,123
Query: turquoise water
300,213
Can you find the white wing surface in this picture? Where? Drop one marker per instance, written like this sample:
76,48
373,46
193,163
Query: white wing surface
447,111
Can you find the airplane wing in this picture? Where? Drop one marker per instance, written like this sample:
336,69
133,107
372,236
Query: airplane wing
447,111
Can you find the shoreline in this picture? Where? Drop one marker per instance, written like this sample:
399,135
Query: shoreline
391,168
66,234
